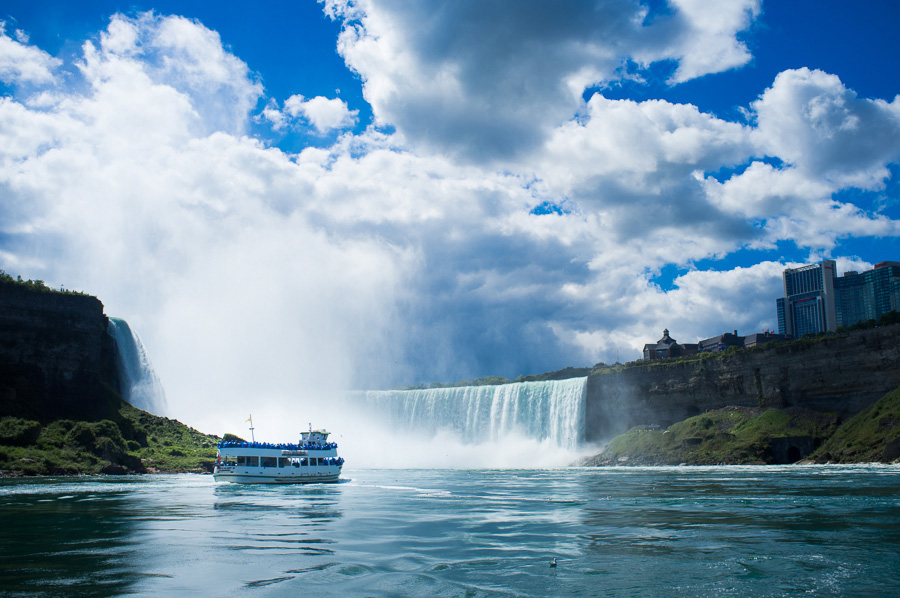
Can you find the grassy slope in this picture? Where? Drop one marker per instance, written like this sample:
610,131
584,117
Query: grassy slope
870,436
734,435
134,441
171,445
740,435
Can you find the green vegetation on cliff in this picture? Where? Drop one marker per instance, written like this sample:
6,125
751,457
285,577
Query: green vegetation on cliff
172,446
37,286
732,435
132,441
870,436
741,435
563,374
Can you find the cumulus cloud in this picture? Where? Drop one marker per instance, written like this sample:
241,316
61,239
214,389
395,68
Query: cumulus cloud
787,204
491,79
21,63
707,37
624,157
810,120
322,113
826,139
181,55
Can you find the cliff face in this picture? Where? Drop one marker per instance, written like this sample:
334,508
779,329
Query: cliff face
841,374
55,354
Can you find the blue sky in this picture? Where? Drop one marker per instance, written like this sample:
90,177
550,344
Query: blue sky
379,193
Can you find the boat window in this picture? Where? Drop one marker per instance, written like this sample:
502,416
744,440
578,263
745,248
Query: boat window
241,460
304,462
282,461
268,462
252,461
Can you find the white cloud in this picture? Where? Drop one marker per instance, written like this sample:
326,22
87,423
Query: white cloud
634,167
322,113
638,143
827,140
272,114
21,63
810,120
491,79
182,55
789,204
708,42
763,191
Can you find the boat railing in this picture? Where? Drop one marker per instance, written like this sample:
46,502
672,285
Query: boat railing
284,447
329,462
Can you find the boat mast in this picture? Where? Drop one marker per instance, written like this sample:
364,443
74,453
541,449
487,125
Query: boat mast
250,419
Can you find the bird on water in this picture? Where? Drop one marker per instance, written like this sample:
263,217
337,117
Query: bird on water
553,564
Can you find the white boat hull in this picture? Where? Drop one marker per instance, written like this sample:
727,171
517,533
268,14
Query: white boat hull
253,478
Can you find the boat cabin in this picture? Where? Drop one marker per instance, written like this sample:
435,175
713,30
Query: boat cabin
315,437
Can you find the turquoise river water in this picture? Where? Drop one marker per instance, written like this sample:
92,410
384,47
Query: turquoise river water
680,531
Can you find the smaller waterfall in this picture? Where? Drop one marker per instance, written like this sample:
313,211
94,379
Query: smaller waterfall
138,380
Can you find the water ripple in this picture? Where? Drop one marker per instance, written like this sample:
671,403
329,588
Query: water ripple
748,532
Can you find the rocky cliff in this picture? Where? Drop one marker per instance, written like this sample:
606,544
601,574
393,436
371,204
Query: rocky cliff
56,358
60,407
841,374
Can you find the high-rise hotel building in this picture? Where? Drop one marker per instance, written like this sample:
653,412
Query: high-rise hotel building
808,304
816,299
863,296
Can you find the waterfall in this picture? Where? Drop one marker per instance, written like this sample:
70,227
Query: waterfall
138,381
547,412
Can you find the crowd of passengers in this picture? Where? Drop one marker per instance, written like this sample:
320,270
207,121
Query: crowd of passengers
255,461
284,447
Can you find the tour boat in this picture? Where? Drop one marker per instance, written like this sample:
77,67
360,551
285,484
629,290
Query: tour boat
312,460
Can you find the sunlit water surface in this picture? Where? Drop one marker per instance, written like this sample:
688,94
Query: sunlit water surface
719,531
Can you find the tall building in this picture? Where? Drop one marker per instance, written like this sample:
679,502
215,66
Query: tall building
816,300
808,304
865,296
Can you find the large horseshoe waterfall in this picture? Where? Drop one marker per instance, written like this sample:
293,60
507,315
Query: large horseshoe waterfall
550,411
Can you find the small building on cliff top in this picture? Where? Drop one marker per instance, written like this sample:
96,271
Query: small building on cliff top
761,338
719,343
667,347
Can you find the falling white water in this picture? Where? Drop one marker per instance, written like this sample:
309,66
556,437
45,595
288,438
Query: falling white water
139,383
528,424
